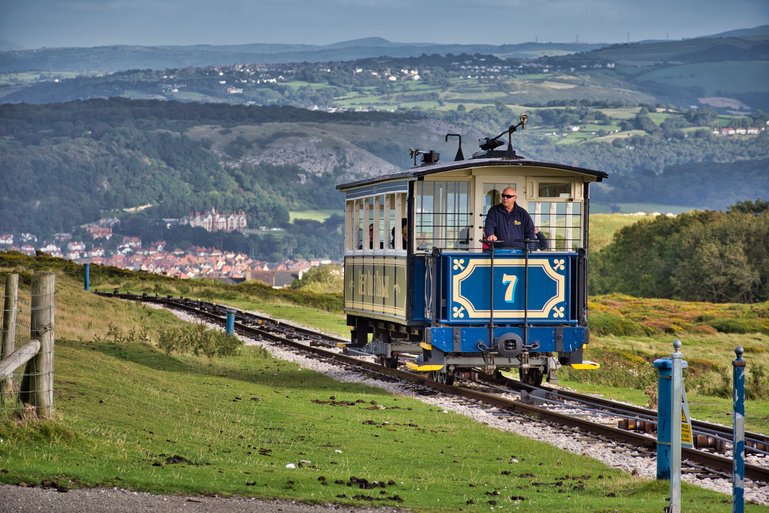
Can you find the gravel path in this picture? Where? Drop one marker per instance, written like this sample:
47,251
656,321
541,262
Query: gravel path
17,499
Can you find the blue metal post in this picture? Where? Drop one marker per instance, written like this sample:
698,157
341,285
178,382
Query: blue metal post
675,433
664,389
230,322
87,277
738,470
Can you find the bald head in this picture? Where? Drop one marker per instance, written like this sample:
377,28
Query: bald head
509,195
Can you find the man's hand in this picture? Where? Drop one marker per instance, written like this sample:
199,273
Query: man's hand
491,238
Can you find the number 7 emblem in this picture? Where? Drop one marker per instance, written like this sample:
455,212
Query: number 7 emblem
510,280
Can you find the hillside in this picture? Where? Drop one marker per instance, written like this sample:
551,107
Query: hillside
732,65
70,164
81,161
374,74
111,59
271,138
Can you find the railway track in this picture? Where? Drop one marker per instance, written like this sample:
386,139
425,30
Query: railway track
635,418
636,425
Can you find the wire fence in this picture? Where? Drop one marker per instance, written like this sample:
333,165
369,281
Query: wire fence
27,351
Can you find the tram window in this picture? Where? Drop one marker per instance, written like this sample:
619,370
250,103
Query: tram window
374,221
358,215
371,223
379,222
442,215
560,221
554,190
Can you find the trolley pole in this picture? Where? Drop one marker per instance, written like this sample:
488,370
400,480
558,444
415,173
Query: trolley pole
738,467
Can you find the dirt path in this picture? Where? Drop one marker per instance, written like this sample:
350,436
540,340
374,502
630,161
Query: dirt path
17,499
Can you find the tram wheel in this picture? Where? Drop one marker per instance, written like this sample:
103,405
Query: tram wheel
443,376
389,363
531,376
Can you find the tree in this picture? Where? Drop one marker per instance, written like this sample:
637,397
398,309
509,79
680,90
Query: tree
758,206
699,256
322,279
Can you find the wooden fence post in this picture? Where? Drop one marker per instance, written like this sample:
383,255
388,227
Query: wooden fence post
9,328
37,385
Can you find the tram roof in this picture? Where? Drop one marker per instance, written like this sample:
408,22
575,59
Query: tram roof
418,172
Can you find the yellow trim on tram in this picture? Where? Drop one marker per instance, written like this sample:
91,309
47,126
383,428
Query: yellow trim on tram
413,366
587,365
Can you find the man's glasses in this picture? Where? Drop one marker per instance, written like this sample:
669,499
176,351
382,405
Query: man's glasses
508,196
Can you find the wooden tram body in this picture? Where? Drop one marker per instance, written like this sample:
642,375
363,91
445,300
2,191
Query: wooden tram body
437,292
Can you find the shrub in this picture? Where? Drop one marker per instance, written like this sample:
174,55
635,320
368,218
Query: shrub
132,336
757,385
198,339
603,323
739,325
713,383
623,370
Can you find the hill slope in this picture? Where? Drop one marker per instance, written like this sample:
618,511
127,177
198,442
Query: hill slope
65,165
110,59
75,163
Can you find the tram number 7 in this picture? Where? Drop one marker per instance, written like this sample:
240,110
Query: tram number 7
510,280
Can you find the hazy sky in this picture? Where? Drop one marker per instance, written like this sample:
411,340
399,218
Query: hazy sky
59,23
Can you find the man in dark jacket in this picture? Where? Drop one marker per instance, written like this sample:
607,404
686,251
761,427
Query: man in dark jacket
508,222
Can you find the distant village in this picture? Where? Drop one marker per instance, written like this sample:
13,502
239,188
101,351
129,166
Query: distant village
134,254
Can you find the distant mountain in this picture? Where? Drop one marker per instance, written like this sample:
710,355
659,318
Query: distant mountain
762,30
7,46
679,73
717,48
111,59
367,41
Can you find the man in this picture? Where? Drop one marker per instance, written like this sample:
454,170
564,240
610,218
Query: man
508,222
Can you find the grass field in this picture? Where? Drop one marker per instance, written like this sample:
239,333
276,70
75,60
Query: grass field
636,208
130,416
314,215
604,226
715,78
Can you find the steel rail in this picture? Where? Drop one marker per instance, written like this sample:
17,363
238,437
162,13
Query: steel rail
698,426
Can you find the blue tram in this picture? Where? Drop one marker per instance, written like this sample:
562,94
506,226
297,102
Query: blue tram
420,281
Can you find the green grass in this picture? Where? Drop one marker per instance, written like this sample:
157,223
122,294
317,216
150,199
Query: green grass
621,113
230,427
714,77
130,416
604,226
314,215
632,208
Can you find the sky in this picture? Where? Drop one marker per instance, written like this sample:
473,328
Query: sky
83,23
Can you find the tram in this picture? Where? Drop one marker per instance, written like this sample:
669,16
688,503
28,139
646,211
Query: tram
423,286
